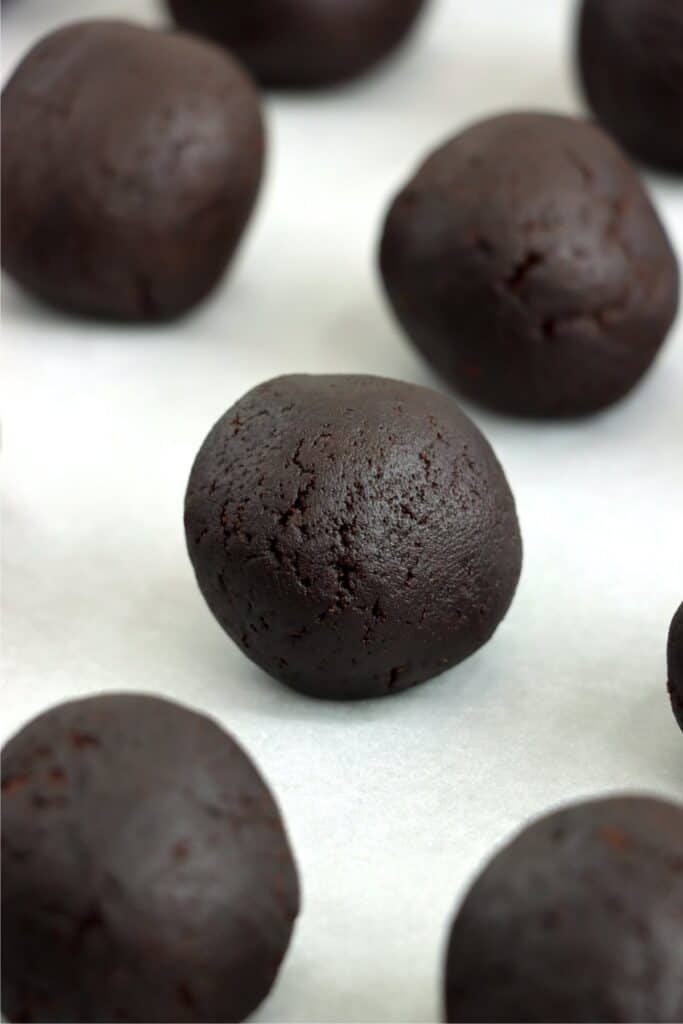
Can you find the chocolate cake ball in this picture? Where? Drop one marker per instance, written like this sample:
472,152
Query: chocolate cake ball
353,535
146,874
131,162
630,55
578,919
527,263
302,43
675,665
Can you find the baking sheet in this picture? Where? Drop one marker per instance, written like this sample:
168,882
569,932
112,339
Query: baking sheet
391,805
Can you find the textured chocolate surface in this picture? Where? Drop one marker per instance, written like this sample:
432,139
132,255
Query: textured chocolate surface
146,875
675,665
630,56
580,918
527,263
131,162
302,43
353,535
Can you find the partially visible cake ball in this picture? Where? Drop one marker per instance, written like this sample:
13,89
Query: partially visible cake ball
353,535
302,43
675,665
579,918
630,55
527,263
146,873
131,162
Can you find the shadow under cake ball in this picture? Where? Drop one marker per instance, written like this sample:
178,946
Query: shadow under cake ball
579,918
630,55
527,263
675,665
131,162
146,873
302,43
353,535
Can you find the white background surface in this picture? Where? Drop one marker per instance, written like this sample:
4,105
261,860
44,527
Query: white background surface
391,805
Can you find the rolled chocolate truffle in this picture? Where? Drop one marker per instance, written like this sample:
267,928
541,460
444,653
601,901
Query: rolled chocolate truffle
302,43
146,874
131,162
577,919
353,535
527,263
675,665
630,55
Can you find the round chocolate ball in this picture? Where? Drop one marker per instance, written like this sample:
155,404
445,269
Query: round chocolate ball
630,55
577,919
527,263
675,665
302,43
131,162
146,874
353,535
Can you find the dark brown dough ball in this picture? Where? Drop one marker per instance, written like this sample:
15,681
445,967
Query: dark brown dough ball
146,874
527,263
580,918
131,162
353,535
302,43
631,63
675,665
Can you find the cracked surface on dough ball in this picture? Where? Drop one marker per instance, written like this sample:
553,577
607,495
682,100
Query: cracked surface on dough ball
527,263
353,535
